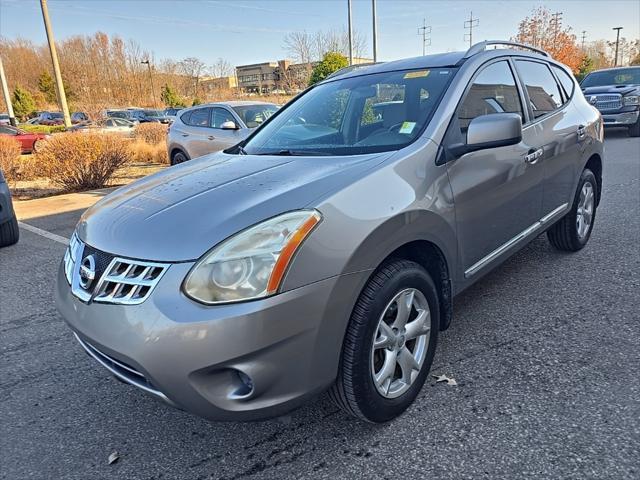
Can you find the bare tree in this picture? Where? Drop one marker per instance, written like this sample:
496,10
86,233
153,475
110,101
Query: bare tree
299,45
194,68
305,47
222,68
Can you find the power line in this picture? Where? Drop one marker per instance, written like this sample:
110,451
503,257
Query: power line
425,31
469,25
556,22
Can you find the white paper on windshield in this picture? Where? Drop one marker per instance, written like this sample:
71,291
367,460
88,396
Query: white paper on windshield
407,127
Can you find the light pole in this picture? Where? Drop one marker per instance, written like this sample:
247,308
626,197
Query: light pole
350,32
617,29
375,31
62,97
7,98
153,89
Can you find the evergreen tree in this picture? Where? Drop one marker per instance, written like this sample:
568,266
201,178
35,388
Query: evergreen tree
23,103
331,62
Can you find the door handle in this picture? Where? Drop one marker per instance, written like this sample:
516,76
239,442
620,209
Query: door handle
533,156
211,137
185,134
582,131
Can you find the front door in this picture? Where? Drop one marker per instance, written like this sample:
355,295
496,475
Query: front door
498,191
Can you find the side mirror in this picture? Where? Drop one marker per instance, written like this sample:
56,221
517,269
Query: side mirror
229,125
490,131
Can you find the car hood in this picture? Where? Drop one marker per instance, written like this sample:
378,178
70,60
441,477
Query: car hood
621,89
180,213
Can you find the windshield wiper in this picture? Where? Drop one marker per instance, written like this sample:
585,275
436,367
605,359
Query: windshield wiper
296,153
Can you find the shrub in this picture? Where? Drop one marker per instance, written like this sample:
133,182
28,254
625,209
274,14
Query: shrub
84,161
151,133
10,158
42,128
142,152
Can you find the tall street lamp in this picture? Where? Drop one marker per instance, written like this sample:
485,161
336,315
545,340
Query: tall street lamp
153,89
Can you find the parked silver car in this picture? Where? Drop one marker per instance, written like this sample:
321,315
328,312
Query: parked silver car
213,127
325,250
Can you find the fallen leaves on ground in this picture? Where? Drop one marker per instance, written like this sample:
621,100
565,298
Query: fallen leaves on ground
444,378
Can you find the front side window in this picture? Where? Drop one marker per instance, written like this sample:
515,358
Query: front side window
493,91
254,115
544,93
7,130
364,114
220,116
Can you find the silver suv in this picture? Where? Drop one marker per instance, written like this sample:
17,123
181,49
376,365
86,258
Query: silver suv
213,127
325,250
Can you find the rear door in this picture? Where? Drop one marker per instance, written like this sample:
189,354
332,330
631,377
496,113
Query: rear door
497,192
555,131
195,132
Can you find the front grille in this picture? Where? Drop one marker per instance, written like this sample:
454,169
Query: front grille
608,101
121,370
115,279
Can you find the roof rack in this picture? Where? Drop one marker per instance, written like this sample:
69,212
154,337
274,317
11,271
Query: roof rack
351,68
482,46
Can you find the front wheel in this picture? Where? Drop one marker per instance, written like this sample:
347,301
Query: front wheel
572,232
178,157
389,344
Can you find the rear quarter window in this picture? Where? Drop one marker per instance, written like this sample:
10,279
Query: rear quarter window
565,80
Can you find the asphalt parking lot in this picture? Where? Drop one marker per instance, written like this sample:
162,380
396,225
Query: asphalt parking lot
544,351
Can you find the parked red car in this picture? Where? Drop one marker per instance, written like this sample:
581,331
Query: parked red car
30,142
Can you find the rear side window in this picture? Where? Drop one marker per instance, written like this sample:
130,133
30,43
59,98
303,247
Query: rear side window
198,117
544,93
565,79
493,91
220,115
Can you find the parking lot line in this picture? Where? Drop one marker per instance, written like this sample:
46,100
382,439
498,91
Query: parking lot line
44,233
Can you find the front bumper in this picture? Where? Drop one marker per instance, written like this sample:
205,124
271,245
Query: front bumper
190,355
620,119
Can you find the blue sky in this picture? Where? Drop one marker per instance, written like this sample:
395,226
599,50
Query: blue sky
247,31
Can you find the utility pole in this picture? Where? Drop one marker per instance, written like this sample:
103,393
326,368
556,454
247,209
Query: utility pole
153,89
62,97
556,21
7,98
469,25
617,29
375,31
425,32
584,35
350,32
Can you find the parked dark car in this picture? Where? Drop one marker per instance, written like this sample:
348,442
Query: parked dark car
616,93
172,111
9,232
29,142
140,116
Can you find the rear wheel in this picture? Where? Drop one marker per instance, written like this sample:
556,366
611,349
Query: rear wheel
389,344
37,145
573,231
178,157
9,232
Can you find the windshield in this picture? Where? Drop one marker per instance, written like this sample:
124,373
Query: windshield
254,115
370,113
622,76
55,116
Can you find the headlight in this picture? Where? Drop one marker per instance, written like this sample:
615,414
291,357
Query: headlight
252,263
630,100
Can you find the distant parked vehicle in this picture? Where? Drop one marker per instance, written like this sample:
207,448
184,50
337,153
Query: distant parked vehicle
79,117
616,93
108,125
213,127
123,114
172,112
4,119
29,142
49,118
139,115
9,231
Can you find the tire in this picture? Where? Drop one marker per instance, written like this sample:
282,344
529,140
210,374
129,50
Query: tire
178,157
634,130
37,146
355,390
565,235
9,232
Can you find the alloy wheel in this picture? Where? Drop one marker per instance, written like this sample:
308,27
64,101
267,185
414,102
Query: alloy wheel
400,343
584,214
